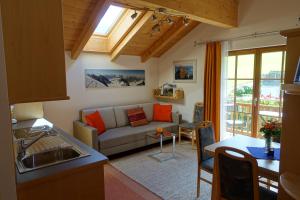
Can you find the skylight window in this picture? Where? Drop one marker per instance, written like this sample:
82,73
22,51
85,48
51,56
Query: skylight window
109,20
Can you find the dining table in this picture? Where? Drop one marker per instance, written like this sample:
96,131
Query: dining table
268,169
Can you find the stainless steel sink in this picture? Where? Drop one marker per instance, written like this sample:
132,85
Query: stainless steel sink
49,158
62,153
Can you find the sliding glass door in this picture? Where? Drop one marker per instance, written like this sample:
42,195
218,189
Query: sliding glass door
253,89
270,95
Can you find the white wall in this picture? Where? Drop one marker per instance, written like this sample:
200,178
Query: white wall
254,16
7,168
62,113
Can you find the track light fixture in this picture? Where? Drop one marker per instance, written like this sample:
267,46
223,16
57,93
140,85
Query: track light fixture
186,21
134,15
154,18
161,10
158,19
169,20
156,28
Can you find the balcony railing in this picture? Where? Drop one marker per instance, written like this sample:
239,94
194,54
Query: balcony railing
239,120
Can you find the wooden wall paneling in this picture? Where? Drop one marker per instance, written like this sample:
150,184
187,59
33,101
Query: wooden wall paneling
223,13
75,15
290,139
7,162
168,39
130,35
90,25
143,38
178,37
124,26
97,44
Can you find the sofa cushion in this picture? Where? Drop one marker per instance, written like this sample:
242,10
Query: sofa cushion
148,109
162,113
95,120
121,114
128,134
137,117
106,113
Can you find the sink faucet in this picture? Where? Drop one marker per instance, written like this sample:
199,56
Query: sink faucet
22,147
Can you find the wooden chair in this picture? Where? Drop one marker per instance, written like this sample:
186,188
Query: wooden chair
204,136
236,177
189,129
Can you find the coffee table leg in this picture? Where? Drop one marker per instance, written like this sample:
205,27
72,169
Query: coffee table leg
161,143
173,147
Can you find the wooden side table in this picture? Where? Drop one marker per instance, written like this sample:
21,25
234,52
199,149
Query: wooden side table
189,130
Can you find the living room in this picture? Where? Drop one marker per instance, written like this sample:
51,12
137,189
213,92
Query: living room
152,44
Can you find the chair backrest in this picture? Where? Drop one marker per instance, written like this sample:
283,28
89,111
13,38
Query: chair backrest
198,113
235,175
204,136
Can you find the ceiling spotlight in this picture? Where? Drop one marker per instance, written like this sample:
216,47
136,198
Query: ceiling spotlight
134,15
154,18
161,10
170,20
186,21
156,28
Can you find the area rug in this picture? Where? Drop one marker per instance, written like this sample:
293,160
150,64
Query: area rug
172,179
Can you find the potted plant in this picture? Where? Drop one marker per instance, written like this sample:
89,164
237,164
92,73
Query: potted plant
271,130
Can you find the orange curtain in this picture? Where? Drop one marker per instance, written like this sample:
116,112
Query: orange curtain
212,84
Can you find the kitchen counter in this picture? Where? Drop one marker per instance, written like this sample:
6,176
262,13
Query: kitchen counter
94,157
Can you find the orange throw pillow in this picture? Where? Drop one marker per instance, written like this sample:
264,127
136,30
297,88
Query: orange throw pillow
162,113
95,120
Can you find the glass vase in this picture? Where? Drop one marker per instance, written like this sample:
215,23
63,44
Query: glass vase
268,145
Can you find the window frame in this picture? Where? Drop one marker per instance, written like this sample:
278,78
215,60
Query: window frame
257,52
114,24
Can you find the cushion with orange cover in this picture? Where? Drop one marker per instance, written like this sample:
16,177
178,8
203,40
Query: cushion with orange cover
137,117
162,113
95,120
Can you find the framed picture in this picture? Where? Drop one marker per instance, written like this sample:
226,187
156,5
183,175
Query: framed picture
168,89
185,71
113,78
297,74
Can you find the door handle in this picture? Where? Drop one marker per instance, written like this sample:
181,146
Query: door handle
255,102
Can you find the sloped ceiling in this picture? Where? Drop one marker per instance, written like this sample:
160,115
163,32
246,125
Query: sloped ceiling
137,40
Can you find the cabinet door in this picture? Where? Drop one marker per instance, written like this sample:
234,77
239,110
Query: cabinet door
34,50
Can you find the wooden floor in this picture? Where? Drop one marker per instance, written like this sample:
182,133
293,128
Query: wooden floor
119,186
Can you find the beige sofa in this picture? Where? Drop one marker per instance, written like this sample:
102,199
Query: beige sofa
119,135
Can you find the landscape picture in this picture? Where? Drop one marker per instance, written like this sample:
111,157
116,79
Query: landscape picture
112,78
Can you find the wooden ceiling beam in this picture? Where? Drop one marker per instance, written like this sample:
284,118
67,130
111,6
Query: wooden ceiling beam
222,13
90,26
124,26
140,23
166,39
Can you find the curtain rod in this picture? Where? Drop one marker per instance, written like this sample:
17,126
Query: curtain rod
254,35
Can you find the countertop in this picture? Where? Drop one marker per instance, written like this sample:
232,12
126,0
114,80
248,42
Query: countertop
94,156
